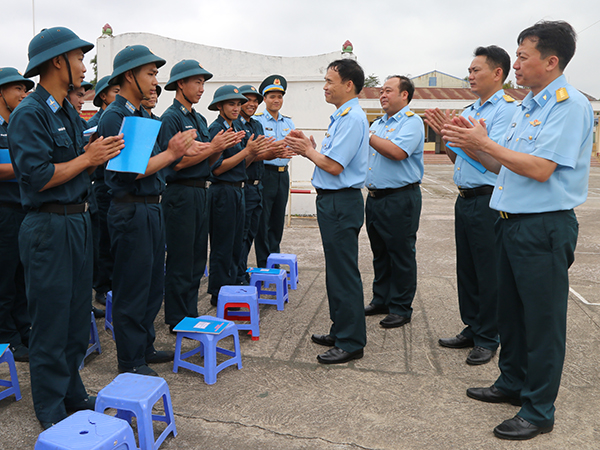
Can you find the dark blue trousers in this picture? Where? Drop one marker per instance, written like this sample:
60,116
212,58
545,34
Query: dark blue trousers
276,189
253,201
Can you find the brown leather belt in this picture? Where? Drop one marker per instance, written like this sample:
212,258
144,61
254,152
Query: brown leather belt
474,192
129,198
192,182
378,193
59,208
276,168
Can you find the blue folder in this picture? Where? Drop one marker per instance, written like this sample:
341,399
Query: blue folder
5,159
460,152
140,135
201,325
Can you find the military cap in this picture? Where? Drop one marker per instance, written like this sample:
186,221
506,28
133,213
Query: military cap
100,86
52,42
158,90
227,92
11,75
131,57
273,83
249,89
184,69
86,85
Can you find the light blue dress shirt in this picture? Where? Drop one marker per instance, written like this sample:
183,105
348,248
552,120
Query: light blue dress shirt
278,129
404,129
347,143
497,112
556,128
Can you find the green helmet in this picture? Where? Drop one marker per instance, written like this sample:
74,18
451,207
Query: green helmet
131,57
52,42
11,75
86,85
185,69
249,89
101,85
227,92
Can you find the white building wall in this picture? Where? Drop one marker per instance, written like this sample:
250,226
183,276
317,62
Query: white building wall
304,101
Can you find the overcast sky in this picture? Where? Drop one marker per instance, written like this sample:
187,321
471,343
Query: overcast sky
389,37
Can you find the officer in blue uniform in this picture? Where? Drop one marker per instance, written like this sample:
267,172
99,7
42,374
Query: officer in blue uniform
276,180
394,203
543,162
338,178
135,220
52,166
253,189
226,192
14,318
474,219
103,262
185,201
104,95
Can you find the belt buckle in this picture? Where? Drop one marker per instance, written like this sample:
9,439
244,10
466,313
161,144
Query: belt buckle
281,169
461,193
504,215
256,182
242,184
159,198
86,207
372,194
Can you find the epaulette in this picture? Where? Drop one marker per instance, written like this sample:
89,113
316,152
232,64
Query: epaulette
507,98
259,114
346,111
287,117
409,113
561,95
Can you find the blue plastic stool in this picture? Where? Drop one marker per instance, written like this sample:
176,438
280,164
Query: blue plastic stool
12,384
286,259
240,297
94,341
88,430
208,348
135,395
266,277
108,325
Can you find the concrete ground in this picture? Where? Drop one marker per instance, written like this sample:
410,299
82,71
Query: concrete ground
406,393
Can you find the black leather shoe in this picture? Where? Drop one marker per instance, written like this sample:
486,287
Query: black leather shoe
323,339
140,370
459,341
518,429
20,352
101,298
371,310
336,355
394,321
480,355
492,395
98,312
88,403
159,357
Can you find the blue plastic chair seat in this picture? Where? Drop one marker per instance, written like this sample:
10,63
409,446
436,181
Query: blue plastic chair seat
286,259
263,279
240,297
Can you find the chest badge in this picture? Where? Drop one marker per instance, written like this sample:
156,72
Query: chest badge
535,122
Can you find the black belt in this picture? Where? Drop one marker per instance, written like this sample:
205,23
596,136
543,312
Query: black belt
331,191
506,215
378,193
237,184
129,198
192,182
474,192
11,205
58,208
252,182
276,168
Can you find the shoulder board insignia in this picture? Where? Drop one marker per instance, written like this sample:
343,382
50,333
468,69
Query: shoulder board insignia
130,107
561,95
507,98
346,111
409,113
259,114
2,123
287,117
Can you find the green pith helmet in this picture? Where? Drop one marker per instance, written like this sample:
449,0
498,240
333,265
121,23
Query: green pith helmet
185,69
86,85
158,90
224,93
249,89
273,83
100,87
131,57
11,75
52,42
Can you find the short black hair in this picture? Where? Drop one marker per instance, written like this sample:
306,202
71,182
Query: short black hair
348,69
495,57
405,84
552,38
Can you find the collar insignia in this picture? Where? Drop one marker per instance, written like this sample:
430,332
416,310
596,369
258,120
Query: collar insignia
130,107
52,104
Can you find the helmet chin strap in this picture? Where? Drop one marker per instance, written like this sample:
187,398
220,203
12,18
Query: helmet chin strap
139,88
10,110
71,85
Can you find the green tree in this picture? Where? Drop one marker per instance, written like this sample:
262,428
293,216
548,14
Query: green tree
94,62
372,81
508,85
